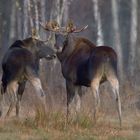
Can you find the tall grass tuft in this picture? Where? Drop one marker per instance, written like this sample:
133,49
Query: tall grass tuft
40,116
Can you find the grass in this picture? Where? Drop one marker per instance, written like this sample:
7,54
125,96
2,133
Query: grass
79,128
35,124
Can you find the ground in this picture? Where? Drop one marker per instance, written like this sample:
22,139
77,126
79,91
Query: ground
32,125
79,128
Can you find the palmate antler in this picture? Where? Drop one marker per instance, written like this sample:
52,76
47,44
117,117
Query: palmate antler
55,27
51,26
71,28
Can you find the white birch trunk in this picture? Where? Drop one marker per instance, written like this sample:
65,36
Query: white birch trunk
12,21
58,10
19,20
66,11
25,21
36,16
133,37
61,11
55,11
43,19
30,15
100,40
117,41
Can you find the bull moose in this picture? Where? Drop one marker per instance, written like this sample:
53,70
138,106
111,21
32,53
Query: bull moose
85,64
21,64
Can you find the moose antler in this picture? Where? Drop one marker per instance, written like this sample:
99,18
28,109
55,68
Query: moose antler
51,26
54,27
81,29
70,28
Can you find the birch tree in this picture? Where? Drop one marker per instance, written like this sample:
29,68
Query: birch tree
25,19
60,10
13,21
19,19
117,41
43,18
36,15
66,10
97,16
133,37
30,17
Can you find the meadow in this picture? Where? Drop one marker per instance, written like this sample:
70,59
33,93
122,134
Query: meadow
34,125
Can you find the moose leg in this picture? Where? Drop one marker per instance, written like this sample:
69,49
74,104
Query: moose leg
78,94
95,92
40,104
70,95
115,86
33,78
11,90
35,81
21,88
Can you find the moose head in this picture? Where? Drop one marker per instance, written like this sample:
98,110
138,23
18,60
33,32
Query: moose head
62,33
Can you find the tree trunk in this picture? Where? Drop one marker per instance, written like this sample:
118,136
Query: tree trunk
55,9
36,16
43,18
60,6
133,37
30,15
117,40
13,22
25,19
19,19
66,11
100,40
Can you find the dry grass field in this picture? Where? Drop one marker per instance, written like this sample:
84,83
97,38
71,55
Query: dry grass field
34,125
81,128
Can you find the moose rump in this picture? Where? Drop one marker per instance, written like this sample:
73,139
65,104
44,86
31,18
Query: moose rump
102,64
18,66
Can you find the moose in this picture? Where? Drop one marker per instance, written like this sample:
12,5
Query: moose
84,64
21,64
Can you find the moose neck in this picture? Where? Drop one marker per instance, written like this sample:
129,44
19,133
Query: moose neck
69,46
29,45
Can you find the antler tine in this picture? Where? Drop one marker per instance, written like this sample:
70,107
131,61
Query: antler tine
79,30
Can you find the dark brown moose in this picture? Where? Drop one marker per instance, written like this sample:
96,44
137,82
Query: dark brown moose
84,64
21,63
